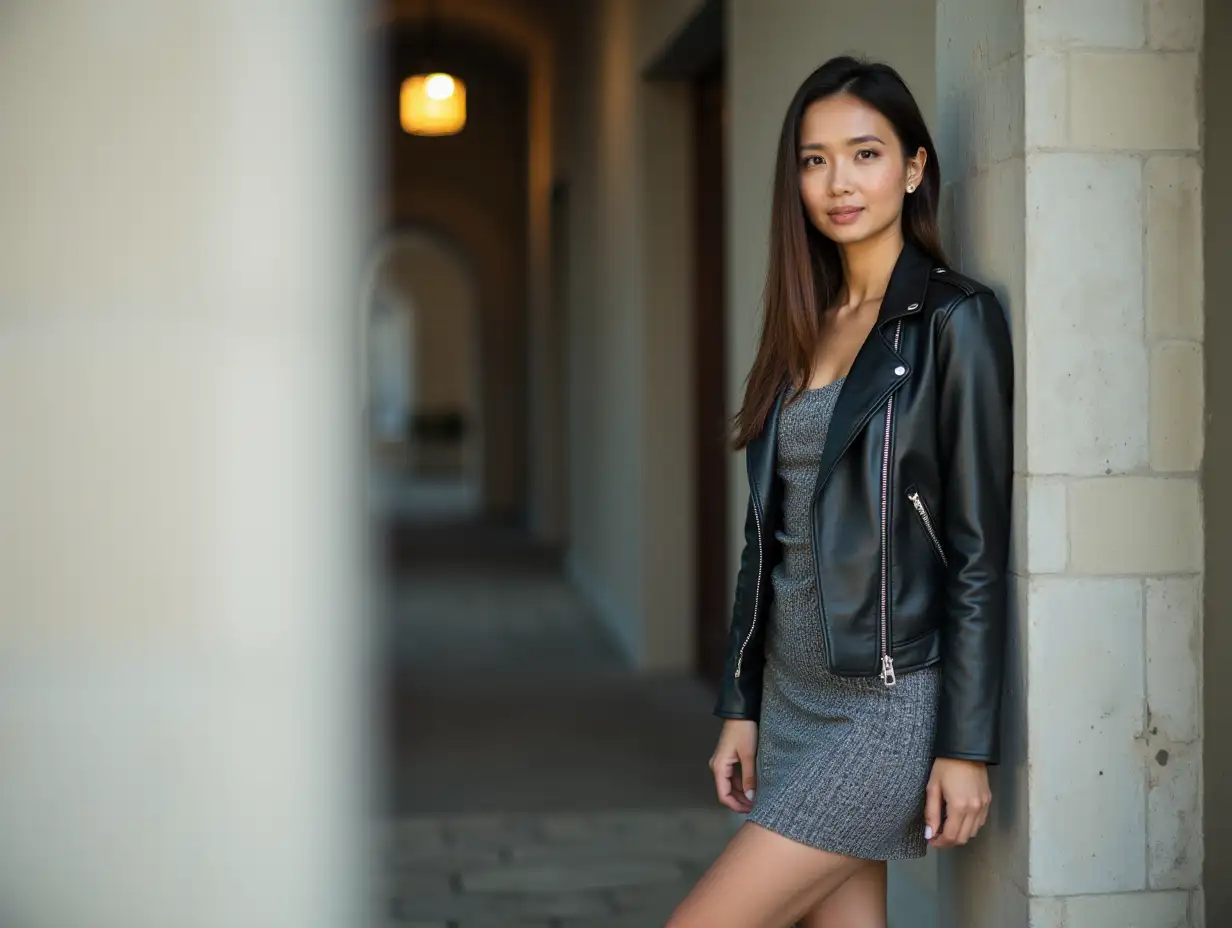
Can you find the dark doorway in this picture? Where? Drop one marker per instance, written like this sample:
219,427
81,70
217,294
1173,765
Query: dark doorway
710,365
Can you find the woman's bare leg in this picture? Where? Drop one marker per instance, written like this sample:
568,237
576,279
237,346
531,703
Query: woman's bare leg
762,880
860,902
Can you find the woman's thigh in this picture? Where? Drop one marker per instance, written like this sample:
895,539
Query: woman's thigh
859,903
762,880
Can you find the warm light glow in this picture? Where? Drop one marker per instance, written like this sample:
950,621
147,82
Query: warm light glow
439,86
433,104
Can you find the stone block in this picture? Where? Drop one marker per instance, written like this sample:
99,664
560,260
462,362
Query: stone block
1174,24
1083,245
510,905
1086,367
576,877
1086,707
1174,262
691,848
1046,101
479,833
1174,816
1177,418
1135,525
1135,102
1115,910
1088,402
1174,657
1047,542
1089,24
657,916
416,883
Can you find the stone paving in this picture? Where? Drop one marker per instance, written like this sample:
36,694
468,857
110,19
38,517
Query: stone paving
533,780
617,869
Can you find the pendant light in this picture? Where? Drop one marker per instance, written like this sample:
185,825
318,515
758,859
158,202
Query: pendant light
432,102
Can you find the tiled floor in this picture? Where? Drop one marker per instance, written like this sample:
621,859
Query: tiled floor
569,870
532,779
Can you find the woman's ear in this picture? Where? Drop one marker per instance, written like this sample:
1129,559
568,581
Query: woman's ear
915,169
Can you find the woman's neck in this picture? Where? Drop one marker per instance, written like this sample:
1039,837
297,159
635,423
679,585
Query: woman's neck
867,266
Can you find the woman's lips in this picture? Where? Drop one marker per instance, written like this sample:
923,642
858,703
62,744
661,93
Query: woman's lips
845,215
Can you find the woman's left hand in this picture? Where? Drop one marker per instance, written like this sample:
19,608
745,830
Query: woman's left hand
962,785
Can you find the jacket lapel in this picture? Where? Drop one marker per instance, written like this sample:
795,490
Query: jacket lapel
875,374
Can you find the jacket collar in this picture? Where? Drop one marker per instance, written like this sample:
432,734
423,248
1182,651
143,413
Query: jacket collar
877,371
904,295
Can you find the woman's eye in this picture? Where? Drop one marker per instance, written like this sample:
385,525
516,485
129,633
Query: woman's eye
866,154
813,160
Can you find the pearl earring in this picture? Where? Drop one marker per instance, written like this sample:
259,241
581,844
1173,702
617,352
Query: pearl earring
911,188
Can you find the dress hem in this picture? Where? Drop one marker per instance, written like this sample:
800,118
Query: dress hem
834,847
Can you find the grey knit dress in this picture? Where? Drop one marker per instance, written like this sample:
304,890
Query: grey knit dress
842,763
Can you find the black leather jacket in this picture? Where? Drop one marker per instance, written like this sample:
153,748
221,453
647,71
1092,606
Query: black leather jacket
911,515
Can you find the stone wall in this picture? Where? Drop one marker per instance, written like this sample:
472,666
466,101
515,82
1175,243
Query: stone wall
1076,131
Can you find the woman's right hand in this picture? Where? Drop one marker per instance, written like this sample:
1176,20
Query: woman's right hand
734,764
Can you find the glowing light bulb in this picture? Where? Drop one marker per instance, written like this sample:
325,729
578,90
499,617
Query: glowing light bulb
439,86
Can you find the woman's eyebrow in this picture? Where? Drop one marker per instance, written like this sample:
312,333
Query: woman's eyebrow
858,140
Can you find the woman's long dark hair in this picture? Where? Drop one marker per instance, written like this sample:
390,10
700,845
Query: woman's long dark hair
805,273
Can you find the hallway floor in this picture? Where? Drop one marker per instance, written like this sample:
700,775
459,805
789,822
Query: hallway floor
533,780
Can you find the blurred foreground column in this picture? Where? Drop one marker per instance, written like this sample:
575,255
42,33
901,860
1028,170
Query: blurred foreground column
180,623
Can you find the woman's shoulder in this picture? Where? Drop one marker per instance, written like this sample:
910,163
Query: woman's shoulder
951,293
949,285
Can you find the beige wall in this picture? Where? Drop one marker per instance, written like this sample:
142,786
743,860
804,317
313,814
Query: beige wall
623,153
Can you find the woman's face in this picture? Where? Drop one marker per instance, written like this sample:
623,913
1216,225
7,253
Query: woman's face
853,175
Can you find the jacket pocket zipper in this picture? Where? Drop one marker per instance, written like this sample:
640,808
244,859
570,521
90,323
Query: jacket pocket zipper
757,587
927,521
887,662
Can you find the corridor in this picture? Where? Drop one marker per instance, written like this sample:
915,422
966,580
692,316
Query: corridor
532,779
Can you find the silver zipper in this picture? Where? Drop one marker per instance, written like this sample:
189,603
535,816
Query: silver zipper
887,662
757,588
920,508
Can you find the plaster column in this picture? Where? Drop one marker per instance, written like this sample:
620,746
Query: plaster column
179,573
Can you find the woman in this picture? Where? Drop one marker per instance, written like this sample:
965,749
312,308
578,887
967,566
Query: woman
863,677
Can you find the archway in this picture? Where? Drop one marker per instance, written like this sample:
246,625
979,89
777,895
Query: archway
422,378
527,37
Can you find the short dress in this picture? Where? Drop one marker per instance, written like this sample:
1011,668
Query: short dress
842,763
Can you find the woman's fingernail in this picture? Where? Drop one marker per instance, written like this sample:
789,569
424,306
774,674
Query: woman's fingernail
928,832
748,794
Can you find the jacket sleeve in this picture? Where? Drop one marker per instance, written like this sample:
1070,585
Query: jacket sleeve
975,369
740,697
